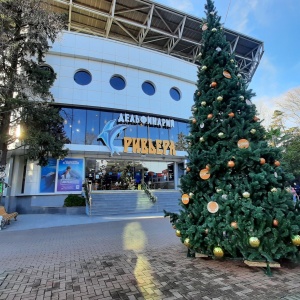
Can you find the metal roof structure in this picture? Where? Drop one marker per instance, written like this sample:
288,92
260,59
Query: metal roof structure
147,24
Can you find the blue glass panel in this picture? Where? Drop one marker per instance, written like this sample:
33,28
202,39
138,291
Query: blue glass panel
83,77
119,138
79,126
183,128
117,82
173,132
92,127
148,88
104,118
132,131
142,131
175,94
154,133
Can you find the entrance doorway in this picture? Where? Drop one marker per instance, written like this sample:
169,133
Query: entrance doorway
114,174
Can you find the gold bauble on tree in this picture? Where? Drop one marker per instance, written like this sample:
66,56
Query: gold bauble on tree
210,116
231,114
185,198
254,242
204,174
213,84
194,121
188,169
178,233
218,252
275,223
187,242
296,240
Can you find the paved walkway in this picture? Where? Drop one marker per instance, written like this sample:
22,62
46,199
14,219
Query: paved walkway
77,257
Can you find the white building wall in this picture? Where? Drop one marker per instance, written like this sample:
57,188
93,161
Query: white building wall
104,58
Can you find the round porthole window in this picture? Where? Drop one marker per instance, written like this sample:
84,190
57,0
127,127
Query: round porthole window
175,94
117,82
46,68
83,77
148,88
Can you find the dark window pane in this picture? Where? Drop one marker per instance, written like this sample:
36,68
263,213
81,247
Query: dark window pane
79,126
92,127
117,82
67,114
148,88
83,77
175,94
46,68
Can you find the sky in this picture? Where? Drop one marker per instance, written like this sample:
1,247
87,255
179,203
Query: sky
274,22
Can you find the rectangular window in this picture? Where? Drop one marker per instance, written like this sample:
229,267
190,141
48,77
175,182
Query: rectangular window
79,126
92,127
67,114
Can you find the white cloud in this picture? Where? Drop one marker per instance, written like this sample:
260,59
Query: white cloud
239,15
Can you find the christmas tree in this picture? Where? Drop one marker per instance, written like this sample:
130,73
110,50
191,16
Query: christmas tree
235,198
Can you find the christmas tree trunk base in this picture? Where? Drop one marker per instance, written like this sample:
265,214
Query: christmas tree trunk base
262,264
201,255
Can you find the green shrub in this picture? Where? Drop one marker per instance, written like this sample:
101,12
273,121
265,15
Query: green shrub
74,200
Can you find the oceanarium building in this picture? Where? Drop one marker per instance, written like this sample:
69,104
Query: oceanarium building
126,74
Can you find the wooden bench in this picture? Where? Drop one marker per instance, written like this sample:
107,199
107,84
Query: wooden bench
7,216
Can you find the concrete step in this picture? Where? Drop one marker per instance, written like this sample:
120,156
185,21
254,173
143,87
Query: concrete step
106,203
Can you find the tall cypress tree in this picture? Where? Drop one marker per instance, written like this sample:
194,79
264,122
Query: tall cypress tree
235,201
26,28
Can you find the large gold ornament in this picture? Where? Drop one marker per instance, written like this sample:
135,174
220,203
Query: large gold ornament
254,242
218,252
243,144
296,240
187,242
178,233
204,174
185,198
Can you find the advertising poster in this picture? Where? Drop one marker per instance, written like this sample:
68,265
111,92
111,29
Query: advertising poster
48,175
69,176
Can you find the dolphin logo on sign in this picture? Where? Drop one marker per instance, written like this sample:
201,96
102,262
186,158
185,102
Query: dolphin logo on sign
109,133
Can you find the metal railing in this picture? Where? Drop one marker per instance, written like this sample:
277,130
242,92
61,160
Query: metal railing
151,197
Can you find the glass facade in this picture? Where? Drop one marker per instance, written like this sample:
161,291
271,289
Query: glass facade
114,174
83,126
